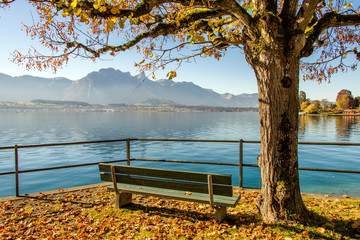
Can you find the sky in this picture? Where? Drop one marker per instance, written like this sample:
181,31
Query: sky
232,74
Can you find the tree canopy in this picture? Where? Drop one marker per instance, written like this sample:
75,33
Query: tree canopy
168,31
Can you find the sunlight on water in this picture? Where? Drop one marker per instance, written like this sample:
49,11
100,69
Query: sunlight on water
41,128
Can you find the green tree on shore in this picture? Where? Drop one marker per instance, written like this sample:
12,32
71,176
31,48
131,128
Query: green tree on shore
302,97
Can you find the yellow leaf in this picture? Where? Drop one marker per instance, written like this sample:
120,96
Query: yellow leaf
115,10
65,13
97,4
110,25
74,4
153,75
347,5
121,23
83,18
151,54
78,12
102,9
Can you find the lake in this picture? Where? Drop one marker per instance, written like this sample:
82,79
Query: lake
27,128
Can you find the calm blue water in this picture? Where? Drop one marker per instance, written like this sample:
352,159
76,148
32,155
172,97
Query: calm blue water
41,128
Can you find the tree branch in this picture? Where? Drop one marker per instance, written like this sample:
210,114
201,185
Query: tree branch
329,20
289,9
194,20
239,12
305,13
266,5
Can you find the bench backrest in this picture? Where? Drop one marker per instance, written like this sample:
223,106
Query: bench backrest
168,179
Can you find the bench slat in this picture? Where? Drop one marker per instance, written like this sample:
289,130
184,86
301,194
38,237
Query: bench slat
224,190
224,201
224,179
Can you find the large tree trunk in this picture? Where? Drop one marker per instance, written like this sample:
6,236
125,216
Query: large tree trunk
278,85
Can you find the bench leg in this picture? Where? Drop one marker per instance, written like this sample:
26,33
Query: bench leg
122,199
220,213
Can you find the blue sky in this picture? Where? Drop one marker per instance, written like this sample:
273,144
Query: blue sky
231,74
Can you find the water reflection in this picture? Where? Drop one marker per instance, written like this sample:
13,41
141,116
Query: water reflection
329,128
344,126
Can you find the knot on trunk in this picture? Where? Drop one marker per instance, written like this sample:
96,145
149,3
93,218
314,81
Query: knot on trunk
286,82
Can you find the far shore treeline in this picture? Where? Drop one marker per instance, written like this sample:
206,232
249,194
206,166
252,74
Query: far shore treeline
345,104
151,105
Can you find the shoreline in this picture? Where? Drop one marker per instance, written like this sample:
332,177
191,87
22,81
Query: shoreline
329,115
99,185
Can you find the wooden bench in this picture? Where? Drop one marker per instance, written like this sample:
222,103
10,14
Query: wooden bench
214,189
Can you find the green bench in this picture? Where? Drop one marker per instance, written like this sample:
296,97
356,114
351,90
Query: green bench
209,188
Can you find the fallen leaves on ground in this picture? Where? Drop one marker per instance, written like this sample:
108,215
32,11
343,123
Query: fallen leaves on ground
90,214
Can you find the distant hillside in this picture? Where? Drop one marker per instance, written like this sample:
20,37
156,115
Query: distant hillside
26,88
110,86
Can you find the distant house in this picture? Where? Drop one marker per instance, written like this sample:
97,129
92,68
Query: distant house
351,111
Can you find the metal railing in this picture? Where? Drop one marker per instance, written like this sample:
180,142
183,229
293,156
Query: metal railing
128,159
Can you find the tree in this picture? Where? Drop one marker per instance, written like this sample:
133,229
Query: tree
316,103
304,105
302,97
273,34
344,99
324,104
312,108
343,102
356,103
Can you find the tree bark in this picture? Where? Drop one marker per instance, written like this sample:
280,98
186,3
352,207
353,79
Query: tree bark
278,85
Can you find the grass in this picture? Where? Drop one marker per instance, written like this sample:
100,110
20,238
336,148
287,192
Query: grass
90,214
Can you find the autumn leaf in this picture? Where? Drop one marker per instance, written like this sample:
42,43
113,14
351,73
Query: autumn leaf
97,4
115,10
102,9
74,4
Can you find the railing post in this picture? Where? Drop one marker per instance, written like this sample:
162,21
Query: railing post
16,171
241,163
128,151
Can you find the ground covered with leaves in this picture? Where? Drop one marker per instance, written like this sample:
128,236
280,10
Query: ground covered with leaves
90,214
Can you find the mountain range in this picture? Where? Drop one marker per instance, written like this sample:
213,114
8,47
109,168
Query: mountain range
110,86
